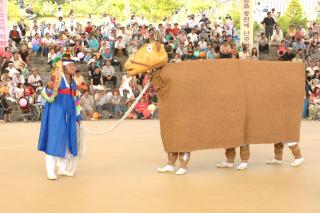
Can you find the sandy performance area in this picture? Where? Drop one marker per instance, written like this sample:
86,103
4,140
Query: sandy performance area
118,174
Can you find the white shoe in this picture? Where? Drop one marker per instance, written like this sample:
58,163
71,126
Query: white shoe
242,166
181,171
52,177
297,162
274,161
66,173
224,165
167,168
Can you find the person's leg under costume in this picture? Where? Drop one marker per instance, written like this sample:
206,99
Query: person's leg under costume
278,153
231,155
184,158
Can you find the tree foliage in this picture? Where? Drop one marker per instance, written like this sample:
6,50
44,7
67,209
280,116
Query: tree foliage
294,15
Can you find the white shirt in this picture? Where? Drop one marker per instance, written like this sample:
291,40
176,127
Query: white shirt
33,80
126,81
12,71
193,37
203,45
120,45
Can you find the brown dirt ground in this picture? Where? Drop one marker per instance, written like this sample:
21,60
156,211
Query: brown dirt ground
118,175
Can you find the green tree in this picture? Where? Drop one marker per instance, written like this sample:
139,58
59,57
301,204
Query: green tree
235,14
294,15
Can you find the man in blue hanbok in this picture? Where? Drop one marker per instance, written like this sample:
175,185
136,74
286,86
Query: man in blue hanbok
59,134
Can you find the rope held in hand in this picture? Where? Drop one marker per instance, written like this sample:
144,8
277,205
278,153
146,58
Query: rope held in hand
123,117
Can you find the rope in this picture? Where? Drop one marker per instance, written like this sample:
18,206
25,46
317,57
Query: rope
123,117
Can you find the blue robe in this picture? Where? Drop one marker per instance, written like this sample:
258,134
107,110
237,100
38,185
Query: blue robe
58,125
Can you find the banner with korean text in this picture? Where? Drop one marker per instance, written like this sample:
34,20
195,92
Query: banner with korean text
3,25
246,22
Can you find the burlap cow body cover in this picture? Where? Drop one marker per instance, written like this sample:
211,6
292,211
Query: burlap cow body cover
209,104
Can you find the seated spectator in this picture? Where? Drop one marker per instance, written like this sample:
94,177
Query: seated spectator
103,101
245,54
176,58
12,46
93,43
30,14
141,109
291,32
51,55
276,37
87,58
282,48
24,54
263,43
15,34
314,104
299,57
34,78
203,44
47,42
212,53
120,47
36,44
225,50
288,56
24,71
87,104
125,85
254,54
115,101
96,81
16,60
108,74
78,78
234,51
315,81
298,44
11,69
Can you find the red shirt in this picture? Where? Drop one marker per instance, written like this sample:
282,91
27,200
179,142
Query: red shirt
140,107
168,30
176,31
88,29
28,91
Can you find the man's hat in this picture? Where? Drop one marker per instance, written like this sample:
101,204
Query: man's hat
67,58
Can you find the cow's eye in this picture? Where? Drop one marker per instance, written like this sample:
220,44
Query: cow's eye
149,48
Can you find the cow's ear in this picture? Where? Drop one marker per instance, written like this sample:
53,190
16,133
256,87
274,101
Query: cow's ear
158,46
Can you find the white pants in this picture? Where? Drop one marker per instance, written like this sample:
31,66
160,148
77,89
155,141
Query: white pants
69,163
126,87
290,144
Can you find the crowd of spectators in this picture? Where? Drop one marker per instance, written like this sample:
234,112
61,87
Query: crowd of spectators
103,45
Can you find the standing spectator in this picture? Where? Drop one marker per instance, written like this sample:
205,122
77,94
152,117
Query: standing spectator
268,23
34,78
22,26
15,35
